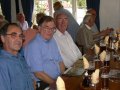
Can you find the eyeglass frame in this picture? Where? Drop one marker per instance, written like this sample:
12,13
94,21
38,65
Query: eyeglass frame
14,35
53,30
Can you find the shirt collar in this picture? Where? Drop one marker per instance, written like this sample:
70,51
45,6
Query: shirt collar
88,27
41,38
59,33
6,53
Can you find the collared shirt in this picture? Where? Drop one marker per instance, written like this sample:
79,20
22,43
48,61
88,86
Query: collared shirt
43,55
24,25
88,27
68,50
95,29
14,73
85,37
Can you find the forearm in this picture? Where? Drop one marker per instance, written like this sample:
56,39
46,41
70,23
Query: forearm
44,77
62,67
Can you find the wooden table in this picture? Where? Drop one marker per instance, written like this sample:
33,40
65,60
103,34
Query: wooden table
75,82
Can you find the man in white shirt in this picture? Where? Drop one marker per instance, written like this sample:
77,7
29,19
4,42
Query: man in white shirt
22,22
68,49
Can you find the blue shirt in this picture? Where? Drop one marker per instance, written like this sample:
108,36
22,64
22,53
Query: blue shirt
14,73
43,55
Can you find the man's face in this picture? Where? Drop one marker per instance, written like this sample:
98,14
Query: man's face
47,30
62,22
12,41
92,21
21,18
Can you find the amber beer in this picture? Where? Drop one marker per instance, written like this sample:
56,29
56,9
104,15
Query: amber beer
107,64
97,63
104,82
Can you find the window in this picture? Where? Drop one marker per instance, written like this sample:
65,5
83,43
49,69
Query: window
76,7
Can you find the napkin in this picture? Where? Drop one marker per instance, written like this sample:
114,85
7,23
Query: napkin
106,40
103,55
95,76
97,49
116,45
60,84
85,63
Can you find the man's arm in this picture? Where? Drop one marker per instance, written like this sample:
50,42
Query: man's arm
62,67
44,77
29,35
103,33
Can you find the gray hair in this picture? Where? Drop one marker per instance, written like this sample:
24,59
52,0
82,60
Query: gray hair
87,18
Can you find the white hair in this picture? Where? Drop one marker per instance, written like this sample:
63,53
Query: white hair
87,18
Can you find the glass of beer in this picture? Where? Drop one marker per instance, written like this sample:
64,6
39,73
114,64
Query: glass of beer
104,82
97,64
106,66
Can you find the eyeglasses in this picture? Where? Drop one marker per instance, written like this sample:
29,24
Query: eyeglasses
47,29
14,35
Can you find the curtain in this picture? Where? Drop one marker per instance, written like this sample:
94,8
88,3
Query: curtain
109,14
27,6
95,5
6,9
28,10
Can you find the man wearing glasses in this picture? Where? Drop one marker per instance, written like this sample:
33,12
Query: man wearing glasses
43,56
14,73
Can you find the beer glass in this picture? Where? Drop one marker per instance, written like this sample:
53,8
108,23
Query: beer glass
104,82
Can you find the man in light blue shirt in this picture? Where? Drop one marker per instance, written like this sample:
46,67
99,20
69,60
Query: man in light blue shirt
42,54
14,72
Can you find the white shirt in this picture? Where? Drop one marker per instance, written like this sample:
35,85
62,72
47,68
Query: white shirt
24,25
68,49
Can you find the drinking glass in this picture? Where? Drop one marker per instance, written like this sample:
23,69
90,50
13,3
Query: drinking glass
104,81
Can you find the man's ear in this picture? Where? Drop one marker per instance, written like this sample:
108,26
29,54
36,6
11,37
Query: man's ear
2,38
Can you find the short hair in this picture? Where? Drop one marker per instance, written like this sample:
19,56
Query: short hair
39,16
57,14
87,18
57,5
91,11
4,29
45,19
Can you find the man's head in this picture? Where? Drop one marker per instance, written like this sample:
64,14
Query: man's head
39,16
61,21
21,17
46,27
89,20
92,12
12,37
57,5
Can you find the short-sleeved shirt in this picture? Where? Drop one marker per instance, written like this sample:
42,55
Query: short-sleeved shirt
43,55
14,72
